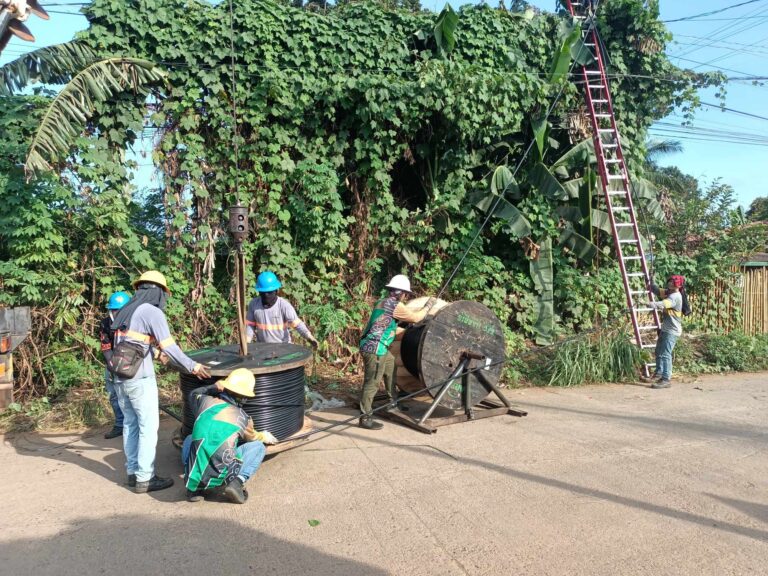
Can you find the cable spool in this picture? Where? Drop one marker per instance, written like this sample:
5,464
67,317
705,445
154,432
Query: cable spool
430,351
278,404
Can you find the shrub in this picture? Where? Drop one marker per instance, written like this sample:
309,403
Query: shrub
728,351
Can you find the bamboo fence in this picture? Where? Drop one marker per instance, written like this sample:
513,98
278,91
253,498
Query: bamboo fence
736,303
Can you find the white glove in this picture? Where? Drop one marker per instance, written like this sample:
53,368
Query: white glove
268,438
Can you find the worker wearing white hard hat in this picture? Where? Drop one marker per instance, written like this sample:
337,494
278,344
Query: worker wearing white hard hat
378,336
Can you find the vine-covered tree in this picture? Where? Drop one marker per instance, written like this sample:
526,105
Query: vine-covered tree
365,134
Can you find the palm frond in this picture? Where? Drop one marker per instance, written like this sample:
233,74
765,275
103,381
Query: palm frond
656,148
51,65
74,105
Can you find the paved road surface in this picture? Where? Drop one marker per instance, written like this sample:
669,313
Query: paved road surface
607,480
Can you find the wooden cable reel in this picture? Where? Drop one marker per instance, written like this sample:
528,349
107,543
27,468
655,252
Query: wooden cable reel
427,354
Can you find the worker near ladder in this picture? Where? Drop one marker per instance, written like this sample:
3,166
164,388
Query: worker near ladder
116,301
671,306
224,449
378,335
140,326
270,318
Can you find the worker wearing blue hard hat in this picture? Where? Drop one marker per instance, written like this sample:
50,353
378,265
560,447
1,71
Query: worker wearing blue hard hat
116,301
270,318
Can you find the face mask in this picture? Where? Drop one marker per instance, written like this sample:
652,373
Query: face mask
268,299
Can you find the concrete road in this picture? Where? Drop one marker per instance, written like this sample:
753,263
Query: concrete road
607,480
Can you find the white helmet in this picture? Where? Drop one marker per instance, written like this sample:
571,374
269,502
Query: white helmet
400,282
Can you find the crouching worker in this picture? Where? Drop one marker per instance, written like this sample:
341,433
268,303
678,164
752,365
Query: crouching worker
223,449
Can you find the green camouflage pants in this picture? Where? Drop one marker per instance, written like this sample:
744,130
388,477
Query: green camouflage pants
377,368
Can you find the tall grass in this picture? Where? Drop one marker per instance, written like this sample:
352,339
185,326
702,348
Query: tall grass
606,357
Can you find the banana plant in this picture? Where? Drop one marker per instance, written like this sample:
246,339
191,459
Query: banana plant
96,82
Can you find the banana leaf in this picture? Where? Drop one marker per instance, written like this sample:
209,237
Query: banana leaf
517,224
581,247
546,183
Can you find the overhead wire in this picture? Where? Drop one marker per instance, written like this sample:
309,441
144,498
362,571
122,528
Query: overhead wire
712,12
727,30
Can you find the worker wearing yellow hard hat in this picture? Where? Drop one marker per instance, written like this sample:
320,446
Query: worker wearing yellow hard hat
222,428
154,277
140,329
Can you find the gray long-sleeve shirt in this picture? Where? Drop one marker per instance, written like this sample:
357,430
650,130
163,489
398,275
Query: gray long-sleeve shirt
671,306
149,328
273,324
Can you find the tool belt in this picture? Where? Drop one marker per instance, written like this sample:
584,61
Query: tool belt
127,357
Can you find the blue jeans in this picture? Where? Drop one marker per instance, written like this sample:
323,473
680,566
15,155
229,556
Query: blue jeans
664,346
138,400
251,453
109,384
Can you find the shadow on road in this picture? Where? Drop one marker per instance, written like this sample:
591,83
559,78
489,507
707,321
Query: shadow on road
754,533
99,456
132,545
714,429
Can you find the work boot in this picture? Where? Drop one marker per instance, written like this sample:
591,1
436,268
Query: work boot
395,407
661,384
131,480
114,433
234,491
651,379
370,424
195,496
153,485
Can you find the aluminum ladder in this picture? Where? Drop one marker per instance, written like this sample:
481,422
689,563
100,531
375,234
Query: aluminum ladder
616,187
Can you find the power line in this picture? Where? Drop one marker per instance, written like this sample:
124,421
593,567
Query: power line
753,76
703,14
739,112
726,31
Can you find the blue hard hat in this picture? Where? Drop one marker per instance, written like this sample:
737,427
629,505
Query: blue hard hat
118,300
267,282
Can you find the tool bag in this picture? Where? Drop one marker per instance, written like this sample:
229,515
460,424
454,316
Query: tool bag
127,358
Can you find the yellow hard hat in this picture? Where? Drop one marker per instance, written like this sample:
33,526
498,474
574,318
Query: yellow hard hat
240,381
155,277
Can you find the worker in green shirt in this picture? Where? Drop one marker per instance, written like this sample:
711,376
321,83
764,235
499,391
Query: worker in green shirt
378,335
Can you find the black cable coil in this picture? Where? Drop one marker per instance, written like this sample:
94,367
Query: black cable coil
278,405
409,348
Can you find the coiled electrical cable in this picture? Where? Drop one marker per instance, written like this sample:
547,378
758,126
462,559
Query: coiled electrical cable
278,404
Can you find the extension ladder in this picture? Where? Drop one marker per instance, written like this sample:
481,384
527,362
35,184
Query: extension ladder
616,187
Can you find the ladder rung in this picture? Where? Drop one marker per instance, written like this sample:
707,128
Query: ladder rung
590,44
610,145
612,161
616,192
629,241
624,224
642,309
649,346
653,327
631,257
636,275
638,292
600,100
593,72
603,130
595,86
620,209
615,176
602,115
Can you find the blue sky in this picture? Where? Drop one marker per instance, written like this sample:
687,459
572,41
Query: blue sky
734,41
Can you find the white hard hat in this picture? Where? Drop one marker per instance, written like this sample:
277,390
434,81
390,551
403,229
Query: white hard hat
400,282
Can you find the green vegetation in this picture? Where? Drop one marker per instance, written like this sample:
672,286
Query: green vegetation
373,138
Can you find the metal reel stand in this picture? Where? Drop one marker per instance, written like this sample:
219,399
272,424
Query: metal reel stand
424,421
